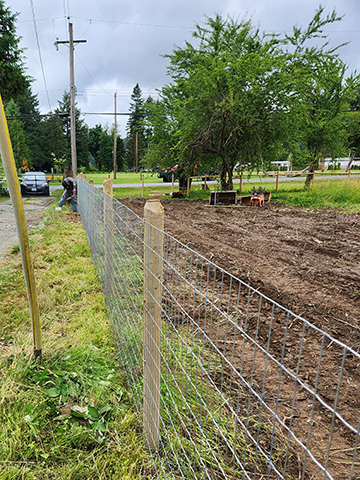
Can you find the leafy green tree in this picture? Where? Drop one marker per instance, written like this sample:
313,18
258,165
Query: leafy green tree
237,97
13,80
228,101
322,88
352,119
135,139
17,135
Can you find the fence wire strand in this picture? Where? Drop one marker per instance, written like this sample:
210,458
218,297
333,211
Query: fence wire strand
237,399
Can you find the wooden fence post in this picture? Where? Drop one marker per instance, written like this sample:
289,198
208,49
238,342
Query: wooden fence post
109,235
277,180
142,186
241,182
172,183
153,273
188,187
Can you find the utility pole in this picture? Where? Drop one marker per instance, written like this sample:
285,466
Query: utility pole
115,133
136,151
71,43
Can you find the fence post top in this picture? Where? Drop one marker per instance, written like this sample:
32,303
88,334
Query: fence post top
108,186
153,207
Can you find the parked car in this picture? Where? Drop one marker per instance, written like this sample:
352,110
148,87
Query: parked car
34,183
166,174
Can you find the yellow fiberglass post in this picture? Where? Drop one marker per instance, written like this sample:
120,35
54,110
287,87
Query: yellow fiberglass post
15,196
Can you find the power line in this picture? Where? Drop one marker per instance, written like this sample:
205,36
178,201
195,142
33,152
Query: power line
134,24
37,115
82,63
39,50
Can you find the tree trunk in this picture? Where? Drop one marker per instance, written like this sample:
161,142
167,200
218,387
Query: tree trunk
310,176
183,182
230,177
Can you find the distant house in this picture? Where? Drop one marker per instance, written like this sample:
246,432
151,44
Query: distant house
282,165
334,163
356,162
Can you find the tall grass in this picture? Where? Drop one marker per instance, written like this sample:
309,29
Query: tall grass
343,194
71,417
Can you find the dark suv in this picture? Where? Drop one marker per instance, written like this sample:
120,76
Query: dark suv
34,183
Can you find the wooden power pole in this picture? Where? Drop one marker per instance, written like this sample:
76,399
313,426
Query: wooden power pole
71,43
136,151
115,134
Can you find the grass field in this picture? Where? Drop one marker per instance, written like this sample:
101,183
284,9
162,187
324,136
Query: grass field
71,417
330,193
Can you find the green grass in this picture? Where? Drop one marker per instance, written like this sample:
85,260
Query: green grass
71,417
325,193
122,177
343,194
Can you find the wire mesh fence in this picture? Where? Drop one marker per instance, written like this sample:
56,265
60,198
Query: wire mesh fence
235,398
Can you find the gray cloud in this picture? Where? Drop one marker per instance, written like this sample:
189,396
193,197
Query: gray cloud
126,41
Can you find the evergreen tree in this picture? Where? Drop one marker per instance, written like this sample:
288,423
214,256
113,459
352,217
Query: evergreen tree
101,147
55,145
34,128
94,143
82,133
136,139
13,80
120,153
106,150
18,138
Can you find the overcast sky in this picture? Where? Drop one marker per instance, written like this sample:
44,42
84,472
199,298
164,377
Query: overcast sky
126,41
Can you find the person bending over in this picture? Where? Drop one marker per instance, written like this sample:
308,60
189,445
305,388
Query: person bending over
70,190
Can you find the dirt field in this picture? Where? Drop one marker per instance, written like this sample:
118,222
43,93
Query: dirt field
306,260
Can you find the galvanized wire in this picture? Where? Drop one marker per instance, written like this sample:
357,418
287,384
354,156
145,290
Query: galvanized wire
237,398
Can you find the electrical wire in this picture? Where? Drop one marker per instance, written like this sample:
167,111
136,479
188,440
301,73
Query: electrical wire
82,63
39,50
134,24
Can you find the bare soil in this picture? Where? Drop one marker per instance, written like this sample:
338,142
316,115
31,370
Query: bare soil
306,260
309,262
34,208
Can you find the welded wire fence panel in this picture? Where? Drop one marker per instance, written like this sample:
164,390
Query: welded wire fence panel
237,398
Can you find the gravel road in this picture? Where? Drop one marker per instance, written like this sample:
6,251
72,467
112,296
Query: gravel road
34,211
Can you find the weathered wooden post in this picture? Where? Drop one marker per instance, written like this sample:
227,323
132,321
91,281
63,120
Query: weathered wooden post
241,182
205,182
172,183
277,180
142,186
153,288
188,187
21,227
109,234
